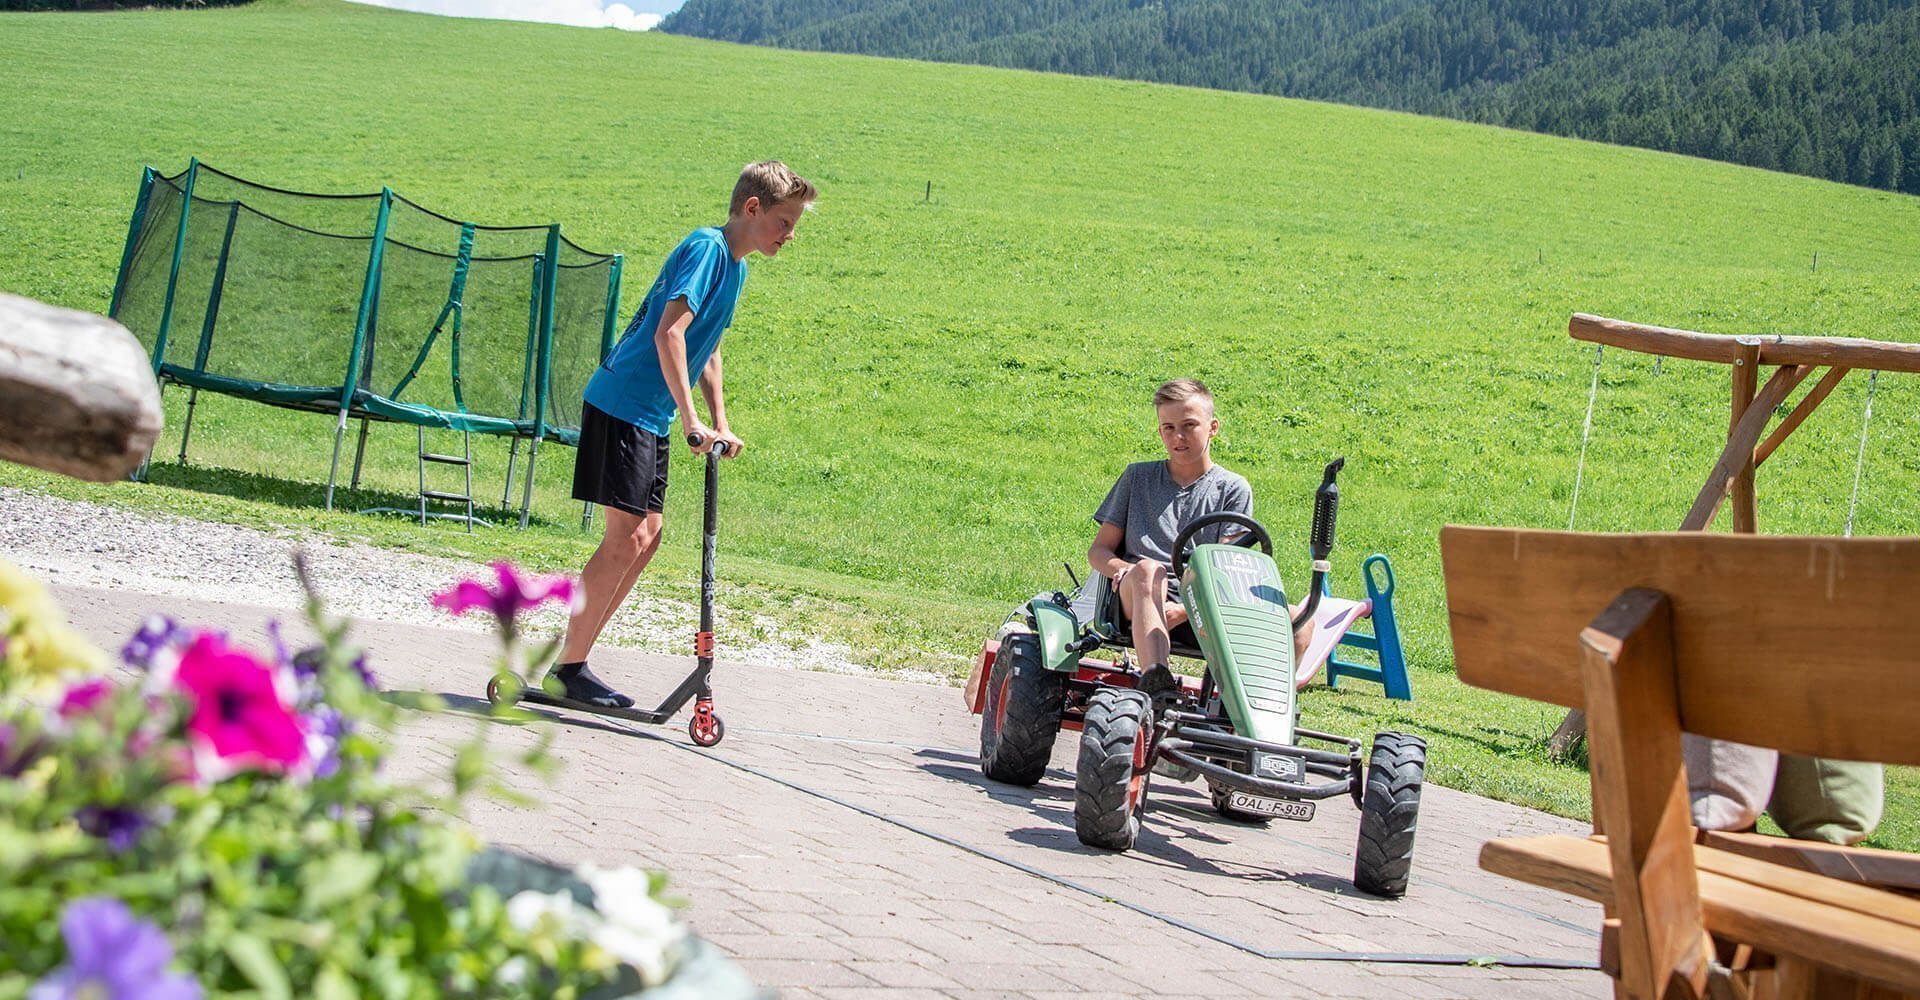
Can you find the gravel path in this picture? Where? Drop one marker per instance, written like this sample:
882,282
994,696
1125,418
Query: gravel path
82,544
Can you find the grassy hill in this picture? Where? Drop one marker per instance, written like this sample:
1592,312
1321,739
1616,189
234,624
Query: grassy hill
937,391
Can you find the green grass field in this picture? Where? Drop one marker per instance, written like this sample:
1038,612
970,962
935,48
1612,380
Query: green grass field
937,391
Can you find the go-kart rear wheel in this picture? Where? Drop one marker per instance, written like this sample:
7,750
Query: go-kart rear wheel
1222,796
1022,713
1115,765
1389,811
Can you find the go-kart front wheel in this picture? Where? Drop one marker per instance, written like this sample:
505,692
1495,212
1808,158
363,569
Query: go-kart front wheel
1022,713
1389,812
1110,792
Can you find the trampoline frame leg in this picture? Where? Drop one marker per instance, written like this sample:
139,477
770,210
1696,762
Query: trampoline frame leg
526,494
193,398
359,453
333,471
506,490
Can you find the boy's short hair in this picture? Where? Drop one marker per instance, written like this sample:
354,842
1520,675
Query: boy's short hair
773,183
1180,390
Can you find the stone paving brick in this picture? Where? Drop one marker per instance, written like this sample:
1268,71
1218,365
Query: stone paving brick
818,899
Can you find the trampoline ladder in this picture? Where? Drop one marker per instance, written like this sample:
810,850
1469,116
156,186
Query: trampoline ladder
464,460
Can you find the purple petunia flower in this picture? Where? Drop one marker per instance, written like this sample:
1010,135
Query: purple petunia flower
281,656
156,634
366,673
112,954
326,727
119,826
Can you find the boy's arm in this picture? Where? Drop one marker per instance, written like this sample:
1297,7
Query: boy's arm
1104,556
717,405
670,341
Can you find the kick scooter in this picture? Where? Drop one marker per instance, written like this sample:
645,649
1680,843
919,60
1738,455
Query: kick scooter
705,726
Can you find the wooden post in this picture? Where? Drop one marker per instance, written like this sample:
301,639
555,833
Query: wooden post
1746,377
1640,788
78,390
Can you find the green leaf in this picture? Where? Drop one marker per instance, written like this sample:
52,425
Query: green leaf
343,876
332,984
255,961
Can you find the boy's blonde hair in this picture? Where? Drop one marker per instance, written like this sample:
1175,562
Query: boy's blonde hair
771,182
1180,390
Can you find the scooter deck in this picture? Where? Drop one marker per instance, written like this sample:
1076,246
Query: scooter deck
537,697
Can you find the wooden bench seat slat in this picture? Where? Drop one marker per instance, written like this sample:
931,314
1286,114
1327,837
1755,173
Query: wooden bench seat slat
1865,942
1869,865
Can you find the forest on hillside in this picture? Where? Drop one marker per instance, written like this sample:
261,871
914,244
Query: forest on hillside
1827,88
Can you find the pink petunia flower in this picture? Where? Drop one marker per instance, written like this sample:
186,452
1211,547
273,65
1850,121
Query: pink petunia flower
241,718
514,592
84,697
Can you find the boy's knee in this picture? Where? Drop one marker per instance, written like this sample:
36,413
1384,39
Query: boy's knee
1146,581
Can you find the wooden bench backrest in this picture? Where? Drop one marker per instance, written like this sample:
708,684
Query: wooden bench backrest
1804,644
1801,644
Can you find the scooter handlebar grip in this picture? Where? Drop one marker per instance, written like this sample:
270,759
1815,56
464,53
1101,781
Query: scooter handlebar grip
719,447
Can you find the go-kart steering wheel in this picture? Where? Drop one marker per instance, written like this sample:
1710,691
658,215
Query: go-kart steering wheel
1255,534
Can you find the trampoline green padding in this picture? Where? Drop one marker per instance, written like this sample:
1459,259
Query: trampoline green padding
365,306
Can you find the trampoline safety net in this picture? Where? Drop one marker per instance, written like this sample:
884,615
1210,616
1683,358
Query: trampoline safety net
369,306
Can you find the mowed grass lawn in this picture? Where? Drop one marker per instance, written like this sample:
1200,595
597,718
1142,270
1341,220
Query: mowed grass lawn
938,390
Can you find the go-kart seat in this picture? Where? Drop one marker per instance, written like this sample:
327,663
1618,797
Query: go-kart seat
1111,620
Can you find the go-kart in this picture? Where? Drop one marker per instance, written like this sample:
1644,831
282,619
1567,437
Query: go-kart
1237,728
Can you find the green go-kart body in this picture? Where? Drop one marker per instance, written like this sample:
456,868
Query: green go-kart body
1238,609
1238,728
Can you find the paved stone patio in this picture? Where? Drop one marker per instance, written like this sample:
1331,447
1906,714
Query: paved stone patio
841,842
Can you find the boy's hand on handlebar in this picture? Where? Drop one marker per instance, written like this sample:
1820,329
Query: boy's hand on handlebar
734,444
700,437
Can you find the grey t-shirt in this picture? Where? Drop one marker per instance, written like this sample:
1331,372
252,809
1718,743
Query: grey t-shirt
1151,508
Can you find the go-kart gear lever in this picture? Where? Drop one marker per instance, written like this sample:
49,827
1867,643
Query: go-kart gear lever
1326,507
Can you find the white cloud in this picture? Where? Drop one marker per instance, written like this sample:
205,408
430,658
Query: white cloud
580,13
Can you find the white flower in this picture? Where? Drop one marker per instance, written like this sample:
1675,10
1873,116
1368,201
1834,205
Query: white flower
636,929
556,912
513,971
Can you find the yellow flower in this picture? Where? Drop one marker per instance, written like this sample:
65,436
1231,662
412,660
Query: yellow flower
36,645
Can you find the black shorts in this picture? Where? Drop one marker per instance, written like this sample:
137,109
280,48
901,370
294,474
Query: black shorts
619,465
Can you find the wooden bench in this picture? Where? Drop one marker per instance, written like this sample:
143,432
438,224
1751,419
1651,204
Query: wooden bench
1808,645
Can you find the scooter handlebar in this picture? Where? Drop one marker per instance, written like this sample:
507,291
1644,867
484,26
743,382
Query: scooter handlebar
719,447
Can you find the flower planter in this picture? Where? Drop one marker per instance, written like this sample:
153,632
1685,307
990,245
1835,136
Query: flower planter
704,972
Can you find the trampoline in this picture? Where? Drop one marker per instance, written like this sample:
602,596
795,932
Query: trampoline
365,306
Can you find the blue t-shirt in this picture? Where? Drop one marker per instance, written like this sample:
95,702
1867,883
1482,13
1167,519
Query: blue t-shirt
629,386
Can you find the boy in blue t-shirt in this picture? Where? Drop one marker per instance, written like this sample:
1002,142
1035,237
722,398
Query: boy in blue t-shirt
672,344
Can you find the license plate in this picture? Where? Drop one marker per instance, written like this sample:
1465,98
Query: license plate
1277,808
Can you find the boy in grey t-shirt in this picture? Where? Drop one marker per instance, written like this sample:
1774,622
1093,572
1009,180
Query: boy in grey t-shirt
1146,509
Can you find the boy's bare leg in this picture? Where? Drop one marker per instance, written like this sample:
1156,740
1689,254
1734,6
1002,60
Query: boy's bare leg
1143,595
626,548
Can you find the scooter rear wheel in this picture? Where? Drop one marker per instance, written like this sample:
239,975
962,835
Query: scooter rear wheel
706,729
